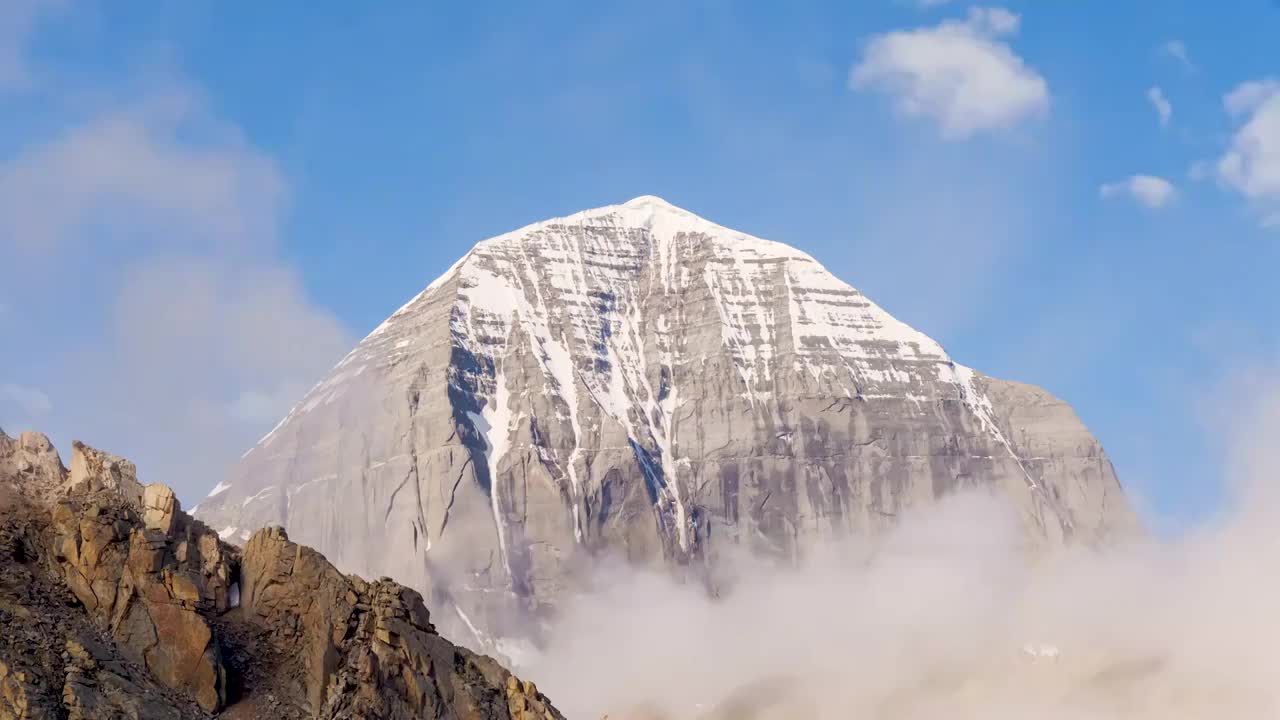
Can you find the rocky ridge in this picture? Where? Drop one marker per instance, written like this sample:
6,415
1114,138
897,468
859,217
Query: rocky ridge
636,380
114,603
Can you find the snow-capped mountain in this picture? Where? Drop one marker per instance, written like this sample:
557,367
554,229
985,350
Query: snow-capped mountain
637,379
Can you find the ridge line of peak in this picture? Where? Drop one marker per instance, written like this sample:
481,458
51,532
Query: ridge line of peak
654,200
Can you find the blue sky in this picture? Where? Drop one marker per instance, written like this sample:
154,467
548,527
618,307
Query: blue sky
203,205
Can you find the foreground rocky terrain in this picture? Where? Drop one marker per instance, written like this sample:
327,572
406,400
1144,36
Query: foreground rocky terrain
114,603
635,380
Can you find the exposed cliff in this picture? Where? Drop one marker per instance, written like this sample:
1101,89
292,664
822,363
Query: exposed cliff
638,380
116,604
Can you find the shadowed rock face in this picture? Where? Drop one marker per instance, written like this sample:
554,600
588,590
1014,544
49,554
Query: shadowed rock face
116,604
369,649
638,380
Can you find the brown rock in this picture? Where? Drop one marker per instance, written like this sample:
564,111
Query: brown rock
369,649
156,634
185,655
134,587
31,462
159,508
15,696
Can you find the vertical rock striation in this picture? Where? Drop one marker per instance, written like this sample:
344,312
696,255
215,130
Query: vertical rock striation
635,379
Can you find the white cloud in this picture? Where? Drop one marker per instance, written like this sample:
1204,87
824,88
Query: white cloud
199,330
1152,192
1164,108
959,74
1249,96
202,356
30,401
137,170
1177,50
248,331
1251,164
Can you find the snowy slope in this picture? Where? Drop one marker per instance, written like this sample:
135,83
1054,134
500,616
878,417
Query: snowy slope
637,379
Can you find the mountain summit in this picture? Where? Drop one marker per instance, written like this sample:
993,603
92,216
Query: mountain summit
637,379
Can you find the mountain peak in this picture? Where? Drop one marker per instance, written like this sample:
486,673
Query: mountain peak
648,211
647,200
635,378
651,201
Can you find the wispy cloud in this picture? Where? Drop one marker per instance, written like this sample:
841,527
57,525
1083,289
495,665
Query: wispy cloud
1164,108
1177,50
31,401
136,165
1251,164
203,329
1147,190
960,74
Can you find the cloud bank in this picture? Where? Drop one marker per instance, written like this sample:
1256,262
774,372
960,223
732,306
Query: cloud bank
199,332
949,616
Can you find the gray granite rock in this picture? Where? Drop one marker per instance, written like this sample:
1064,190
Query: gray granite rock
638,380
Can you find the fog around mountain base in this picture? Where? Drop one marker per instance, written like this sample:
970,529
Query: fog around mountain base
946,617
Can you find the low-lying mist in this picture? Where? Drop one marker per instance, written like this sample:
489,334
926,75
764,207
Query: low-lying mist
947,616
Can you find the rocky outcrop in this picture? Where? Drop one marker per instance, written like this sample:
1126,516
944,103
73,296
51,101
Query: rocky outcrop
636,380
368,649
95,471
56,660
97,686
114,603
30,461
148,587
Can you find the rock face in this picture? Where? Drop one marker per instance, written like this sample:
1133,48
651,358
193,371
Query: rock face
144,587
93,470
636,379
369,649
116,604
30,459
144,582
58,659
